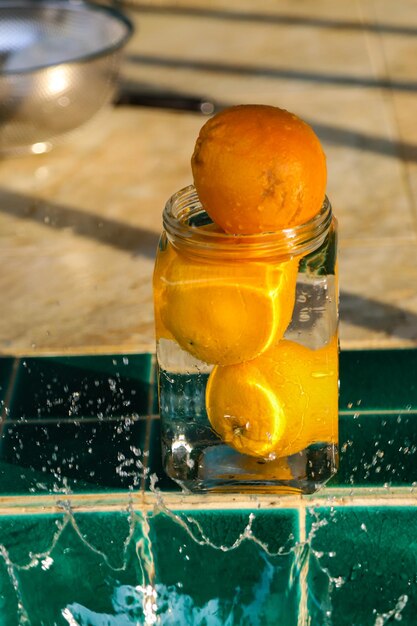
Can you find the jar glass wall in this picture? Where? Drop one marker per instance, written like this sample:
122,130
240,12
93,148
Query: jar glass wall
247,352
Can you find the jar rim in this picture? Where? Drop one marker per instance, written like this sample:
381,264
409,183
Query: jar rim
184,206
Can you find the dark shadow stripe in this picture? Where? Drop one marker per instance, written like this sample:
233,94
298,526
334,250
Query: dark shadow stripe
151,96
354,309
138,241
377,316
271,18
325,78
364,142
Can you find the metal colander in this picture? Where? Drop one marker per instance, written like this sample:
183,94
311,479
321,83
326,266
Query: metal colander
59,64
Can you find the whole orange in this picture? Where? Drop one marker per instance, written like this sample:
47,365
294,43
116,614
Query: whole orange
278,403
258,168
222,312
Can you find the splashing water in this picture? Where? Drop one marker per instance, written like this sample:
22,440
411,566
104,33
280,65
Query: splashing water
148,589
147,602
174,608
395,613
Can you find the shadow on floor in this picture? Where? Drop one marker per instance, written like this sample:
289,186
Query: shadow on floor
271,18
325,78
377,316
355,309
111,232
364,142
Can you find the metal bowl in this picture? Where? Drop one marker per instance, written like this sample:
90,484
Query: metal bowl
59,64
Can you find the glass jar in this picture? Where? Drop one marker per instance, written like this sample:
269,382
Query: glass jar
247,352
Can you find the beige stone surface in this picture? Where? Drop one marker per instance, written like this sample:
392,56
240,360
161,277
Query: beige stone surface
379,295
79,226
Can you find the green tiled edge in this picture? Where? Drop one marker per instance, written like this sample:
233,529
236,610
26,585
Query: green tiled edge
198,562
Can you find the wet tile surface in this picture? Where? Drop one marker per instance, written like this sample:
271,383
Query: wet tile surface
362,565
75,423
245,581
86,424
47,555
350,563
377,449
253,585
378,380
77,456
63,388
355,567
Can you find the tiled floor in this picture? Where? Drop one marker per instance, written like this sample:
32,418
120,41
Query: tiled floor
90,424
82,489
86,534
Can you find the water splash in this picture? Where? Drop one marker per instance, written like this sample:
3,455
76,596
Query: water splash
395,613
22,615
175,608
146,602
194,529
144,551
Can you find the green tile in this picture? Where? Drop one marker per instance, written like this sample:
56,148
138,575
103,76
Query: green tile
377,449
362,566
58,561
6,367
378,421
77,455
378,379
205,567
205,557
85,386
155,398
